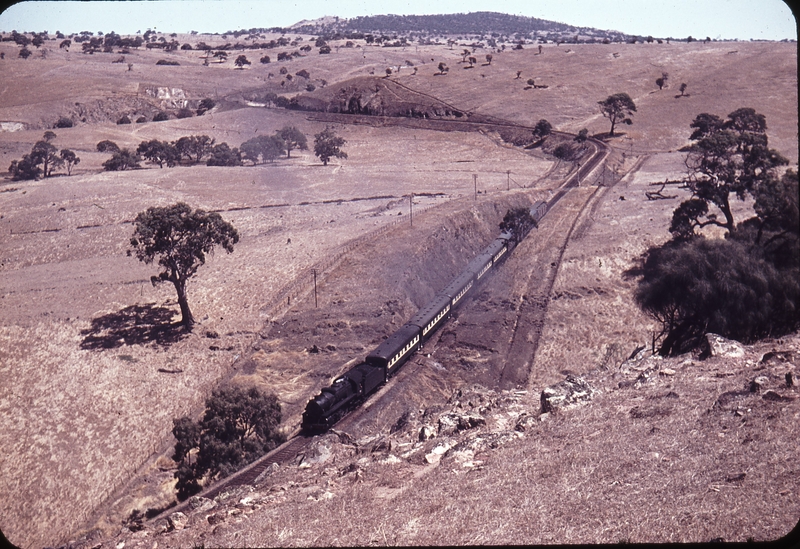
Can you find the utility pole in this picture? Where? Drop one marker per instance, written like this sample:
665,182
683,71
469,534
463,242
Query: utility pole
411,209
508,180
315,287
475,182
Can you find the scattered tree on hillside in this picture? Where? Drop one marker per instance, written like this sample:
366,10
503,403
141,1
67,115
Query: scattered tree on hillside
70,159
179,239
47,155
661,82
325,49
25,53
292,139
49,136
618,108
184,112
122,160
267,147
518,222
194,147
223,155
328,145
159,152
239,425
747,285
26,168
489,58
124,120
682,89
727,157
582,136
160,116
542,129
107,146
265,59
241,61
65,44
443,68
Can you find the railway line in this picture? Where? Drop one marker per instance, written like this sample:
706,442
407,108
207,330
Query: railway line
521,348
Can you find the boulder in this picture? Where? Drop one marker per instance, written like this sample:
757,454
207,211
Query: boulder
177,521
426,432
716,345
573,391
452,423
758,384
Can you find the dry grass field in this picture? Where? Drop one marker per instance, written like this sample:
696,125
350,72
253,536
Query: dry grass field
90,384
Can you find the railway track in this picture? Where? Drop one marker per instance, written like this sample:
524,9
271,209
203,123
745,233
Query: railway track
522,344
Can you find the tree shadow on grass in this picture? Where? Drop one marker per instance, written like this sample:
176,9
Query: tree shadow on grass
134,325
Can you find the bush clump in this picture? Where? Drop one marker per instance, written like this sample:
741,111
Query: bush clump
239,426
64,122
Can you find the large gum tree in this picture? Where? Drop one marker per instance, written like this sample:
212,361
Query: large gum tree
179,239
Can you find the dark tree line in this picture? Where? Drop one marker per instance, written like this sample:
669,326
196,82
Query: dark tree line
745,286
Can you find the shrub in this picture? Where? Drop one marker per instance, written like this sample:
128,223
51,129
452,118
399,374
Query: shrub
719,286
184,113
27,168
205,105
124,120
64,122
564,151
107,146
160,116
141,119
166,62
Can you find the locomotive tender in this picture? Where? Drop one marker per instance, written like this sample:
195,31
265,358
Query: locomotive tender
354,386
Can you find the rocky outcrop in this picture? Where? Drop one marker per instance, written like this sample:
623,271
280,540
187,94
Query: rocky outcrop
571,392
648,394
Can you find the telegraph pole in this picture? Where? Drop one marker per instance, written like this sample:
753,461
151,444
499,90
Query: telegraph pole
475,182
508,180
411,209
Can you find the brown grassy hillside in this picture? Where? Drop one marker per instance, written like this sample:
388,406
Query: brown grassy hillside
86,403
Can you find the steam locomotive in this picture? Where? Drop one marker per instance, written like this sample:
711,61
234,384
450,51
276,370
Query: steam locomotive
354,386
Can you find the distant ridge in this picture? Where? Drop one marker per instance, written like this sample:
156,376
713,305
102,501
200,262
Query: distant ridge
477,23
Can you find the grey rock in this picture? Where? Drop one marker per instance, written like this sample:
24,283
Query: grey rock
573,391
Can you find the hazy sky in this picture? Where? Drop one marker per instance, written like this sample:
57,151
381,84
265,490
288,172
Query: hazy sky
726,19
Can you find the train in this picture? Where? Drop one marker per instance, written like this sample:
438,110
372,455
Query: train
352,388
